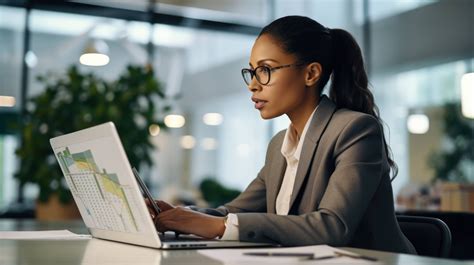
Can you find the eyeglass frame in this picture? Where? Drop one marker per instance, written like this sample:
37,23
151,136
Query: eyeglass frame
271,69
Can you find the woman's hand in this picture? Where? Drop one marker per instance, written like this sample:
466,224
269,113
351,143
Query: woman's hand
164,206
187,221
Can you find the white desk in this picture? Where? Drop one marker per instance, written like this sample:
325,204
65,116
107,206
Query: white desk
96,251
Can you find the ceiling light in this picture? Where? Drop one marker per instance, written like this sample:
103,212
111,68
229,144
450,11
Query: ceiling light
188,142
209,144
6,101
467,95
95,54
174,121
418,123
154,129
213,119
31,59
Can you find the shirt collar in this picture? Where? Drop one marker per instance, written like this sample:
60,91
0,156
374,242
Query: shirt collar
292,146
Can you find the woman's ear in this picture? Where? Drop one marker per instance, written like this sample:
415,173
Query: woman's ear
313,73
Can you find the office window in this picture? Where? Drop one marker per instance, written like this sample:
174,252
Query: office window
8,164
421,91
380,9
185,61
12,21
225,151
414,74
69,35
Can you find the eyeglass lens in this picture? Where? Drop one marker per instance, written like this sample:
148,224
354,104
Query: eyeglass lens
262,74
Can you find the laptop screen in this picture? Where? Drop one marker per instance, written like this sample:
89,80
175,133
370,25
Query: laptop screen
101,181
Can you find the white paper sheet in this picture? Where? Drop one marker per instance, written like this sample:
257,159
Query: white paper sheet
42,235
237,256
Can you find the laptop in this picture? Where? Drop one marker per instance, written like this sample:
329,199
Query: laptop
108,193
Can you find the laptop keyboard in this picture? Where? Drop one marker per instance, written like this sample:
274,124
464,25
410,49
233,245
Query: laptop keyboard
171,237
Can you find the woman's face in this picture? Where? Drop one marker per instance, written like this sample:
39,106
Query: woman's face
287,90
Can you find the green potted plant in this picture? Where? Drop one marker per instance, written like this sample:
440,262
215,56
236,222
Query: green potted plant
215,193
453,163
76,101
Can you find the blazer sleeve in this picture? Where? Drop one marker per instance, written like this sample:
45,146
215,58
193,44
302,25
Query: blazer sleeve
358,158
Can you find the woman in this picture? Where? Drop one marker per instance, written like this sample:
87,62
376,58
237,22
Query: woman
326,179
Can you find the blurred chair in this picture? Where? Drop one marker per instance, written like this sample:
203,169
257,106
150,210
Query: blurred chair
430,236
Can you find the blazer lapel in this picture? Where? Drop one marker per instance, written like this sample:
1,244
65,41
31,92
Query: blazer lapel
316,128
277,169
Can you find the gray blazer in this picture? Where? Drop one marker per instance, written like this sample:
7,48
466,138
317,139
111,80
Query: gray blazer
342,194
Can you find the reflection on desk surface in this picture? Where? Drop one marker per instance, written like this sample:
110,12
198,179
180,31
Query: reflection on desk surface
94,251
100,251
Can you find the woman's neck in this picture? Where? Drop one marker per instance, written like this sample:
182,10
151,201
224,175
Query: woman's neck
300,115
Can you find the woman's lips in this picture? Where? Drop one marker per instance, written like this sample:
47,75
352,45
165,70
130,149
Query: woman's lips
260,104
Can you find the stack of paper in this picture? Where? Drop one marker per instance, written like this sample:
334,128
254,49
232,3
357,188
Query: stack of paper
320,254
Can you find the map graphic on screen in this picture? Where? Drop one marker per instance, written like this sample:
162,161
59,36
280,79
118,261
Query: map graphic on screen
108,204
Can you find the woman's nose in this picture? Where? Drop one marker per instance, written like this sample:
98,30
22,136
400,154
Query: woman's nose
254,85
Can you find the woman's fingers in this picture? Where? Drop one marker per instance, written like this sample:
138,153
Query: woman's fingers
190,222
164,206
150,209
186,221
159,227
170,219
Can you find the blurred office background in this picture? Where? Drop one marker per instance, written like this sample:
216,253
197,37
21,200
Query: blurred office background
419,54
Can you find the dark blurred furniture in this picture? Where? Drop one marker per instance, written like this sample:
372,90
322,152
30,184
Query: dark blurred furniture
430,236
461,225
25,210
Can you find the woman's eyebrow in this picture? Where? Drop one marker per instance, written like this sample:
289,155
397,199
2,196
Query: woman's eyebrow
263,60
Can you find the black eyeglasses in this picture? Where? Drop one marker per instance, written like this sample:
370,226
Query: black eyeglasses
262,73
